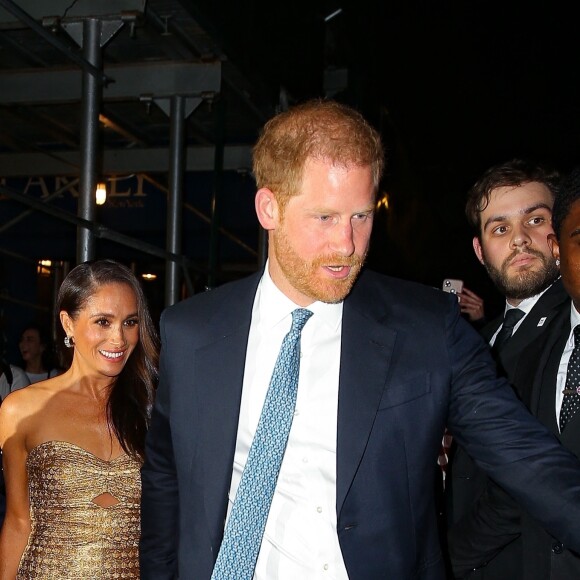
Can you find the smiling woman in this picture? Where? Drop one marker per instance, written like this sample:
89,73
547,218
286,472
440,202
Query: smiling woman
73,444
106,331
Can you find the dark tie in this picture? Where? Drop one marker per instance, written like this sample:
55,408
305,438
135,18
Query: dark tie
571,400
243,534
511,318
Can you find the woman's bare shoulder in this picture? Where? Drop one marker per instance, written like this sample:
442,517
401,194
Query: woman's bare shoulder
20,406
27,396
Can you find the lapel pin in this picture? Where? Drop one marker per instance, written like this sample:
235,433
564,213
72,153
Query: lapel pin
541,321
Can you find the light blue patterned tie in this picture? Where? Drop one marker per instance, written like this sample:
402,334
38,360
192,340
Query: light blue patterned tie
243,534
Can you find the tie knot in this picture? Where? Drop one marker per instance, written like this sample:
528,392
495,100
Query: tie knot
512,317
300,317
577,335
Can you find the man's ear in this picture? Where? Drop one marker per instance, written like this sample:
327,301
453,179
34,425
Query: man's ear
478,249
266,208
554,246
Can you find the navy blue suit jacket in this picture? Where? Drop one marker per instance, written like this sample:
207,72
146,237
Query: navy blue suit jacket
410,365
495,518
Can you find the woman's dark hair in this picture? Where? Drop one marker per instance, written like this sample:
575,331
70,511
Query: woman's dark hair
131,397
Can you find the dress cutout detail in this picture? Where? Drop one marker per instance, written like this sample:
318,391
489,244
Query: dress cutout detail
72,537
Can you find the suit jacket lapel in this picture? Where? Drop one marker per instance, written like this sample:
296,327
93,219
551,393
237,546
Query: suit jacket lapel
545,384
491,328
366,352
220,370
542,314
535,378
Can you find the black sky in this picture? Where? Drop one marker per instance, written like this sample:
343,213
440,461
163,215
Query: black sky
453,86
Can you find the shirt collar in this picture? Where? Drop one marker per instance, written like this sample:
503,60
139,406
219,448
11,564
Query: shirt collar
273,305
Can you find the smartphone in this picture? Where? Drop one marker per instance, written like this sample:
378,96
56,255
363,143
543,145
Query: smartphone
452,286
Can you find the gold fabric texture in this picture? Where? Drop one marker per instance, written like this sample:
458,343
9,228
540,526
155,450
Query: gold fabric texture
73,537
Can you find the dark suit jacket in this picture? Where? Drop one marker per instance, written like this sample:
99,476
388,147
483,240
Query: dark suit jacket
530,329
541,556
465,481
468,483
409,366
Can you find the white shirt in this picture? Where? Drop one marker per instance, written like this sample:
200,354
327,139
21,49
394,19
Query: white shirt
300,539
19,381
563,367
37,377
525,305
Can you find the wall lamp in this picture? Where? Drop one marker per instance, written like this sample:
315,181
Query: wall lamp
101,193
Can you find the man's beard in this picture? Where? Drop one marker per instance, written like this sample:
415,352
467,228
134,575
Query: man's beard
305,276
525,283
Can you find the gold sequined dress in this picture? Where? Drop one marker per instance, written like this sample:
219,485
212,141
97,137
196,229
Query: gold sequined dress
73,537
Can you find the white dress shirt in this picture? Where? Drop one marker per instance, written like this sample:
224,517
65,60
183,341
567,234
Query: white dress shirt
566,354
300,539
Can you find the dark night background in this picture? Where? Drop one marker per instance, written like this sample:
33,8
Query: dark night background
453,86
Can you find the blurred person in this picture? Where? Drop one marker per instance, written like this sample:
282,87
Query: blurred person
300,411
547,380
73,445
510,211
35,349
12,378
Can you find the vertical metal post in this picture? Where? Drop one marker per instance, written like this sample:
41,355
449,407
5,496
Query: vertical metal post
216,195
175,200
92,97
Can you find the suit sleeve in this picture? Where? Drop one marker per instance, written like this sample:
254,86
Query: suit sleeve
159,501
492,523
506,441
